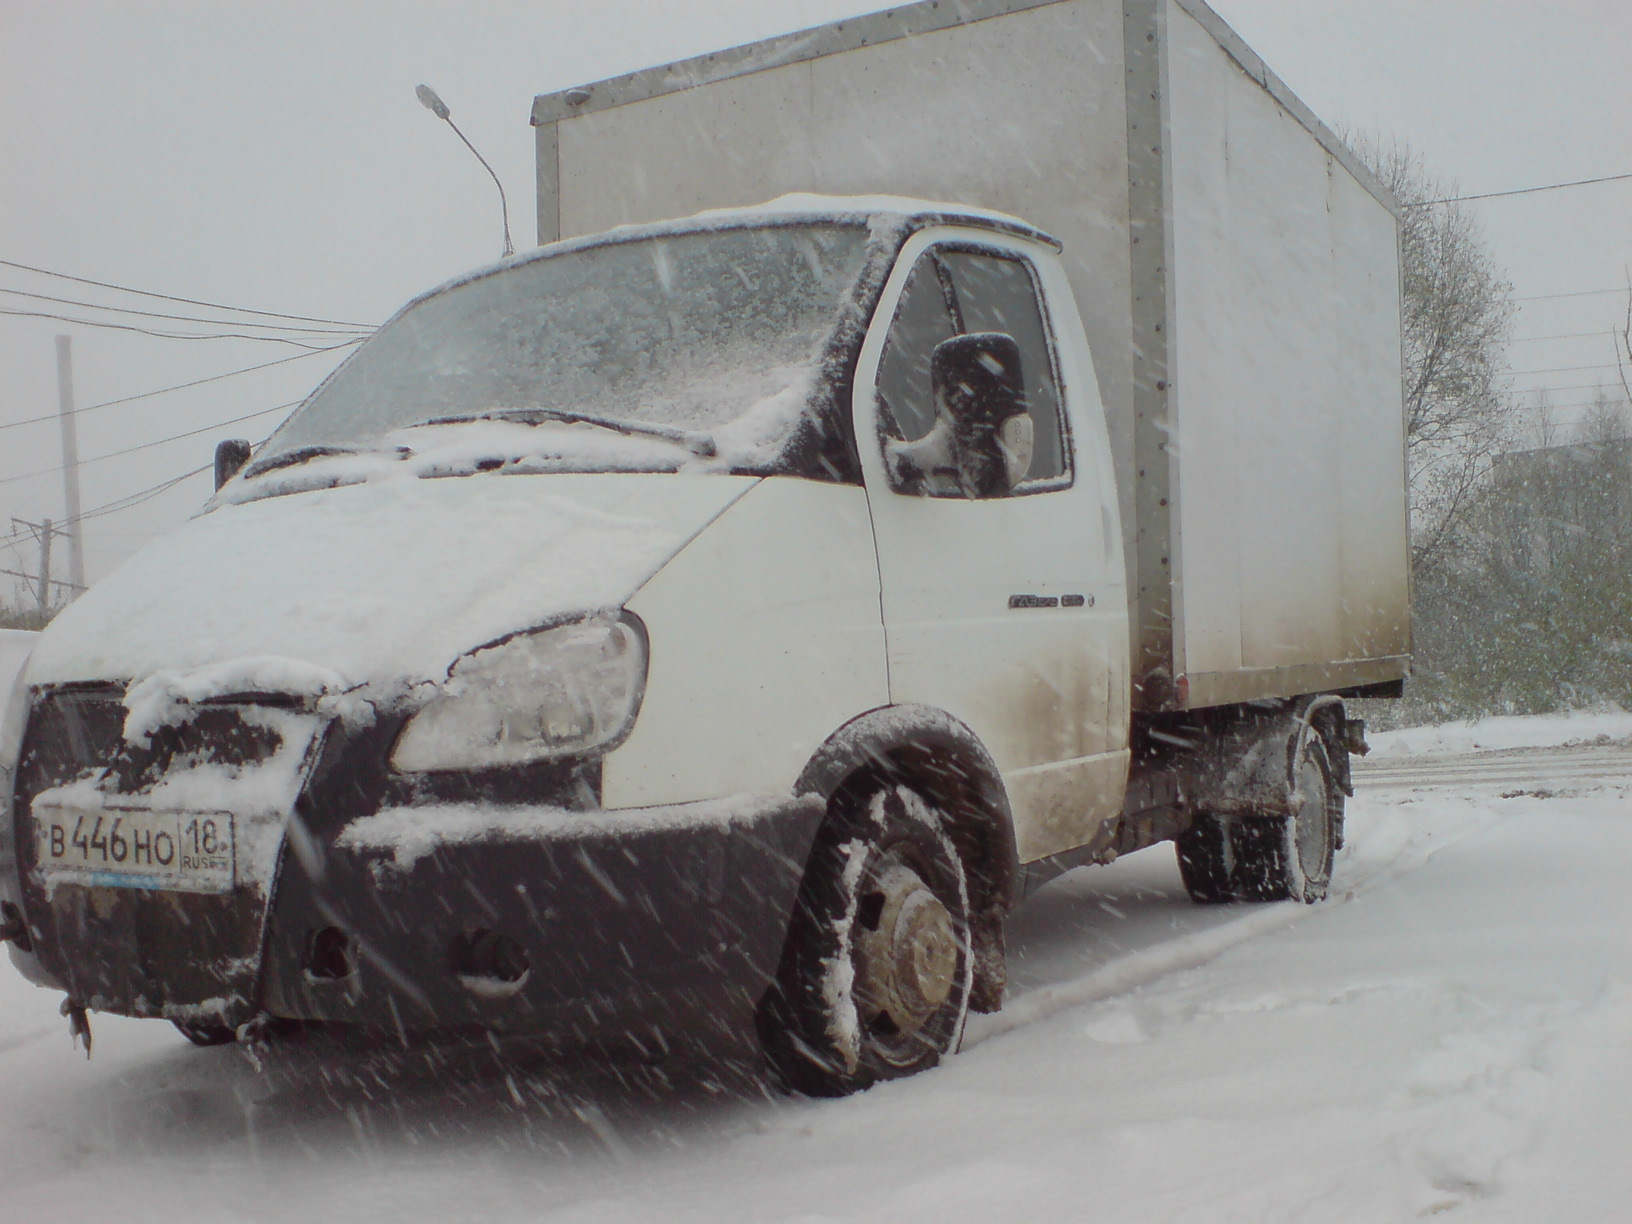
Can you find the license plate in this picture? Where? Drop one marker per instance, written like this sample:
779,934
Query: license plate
136,848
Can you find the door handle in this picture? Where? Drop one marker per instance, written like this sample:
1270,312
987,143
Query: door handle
1051,601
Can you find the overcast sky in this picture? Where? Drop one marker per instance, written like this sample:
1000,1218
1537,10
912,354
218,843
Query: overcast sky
272,155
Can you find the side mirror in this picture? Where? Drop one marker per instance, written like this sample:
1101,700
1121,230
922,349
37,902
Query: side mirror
980,391
230,456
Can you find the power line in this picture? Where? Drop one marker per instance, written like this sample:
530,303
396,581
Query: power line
193,433
197,382
1588,404
265,314
1543,297
1573,387
153,314
133,498
136,499
1618,397
1608,365
1567,336
131,450
147,331
1491,195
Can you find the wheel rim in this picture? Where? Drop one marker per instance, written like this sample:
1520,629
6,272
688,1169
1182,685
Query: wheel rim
905,954
1312,830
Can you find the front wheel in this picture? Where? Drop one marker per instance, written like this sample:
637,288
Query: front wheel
875,976
206,1034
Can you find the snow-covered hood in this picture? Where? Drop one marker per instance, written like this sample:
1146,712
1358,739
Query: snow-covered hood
382,584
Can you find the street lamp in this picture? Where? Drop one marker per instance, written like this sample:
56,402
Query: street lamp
439,108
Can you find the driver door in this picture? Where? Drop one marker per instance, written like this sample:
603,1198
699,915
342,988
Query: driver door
1001,610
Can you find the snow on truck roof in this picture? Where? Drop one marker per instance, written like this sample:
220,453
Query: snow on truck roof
798,208
916,213
906,21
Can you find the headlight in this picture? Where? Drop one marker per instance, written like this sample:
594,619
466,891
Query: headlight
557,692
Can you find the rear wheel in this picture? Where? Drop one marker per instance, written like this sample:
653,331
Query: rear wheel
1290,857
1269,858
875,976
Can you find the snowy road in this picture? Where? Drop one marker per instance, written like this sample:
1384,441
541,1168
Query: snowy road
1532,767
1449,1034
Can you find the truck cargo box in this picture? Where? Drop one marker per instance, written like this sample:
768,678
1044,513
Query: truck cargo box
1235,266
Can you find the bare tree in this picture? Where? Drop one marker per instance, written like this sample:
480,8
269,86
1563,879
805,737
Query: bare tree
1457,316
1605,422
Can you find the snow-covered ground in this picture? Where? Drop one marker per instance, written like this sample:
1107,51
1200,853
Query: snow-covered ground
1451,1033
1578,727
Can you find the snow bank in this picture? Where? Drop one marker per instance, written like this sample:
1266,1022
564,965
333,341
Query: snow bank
1519,731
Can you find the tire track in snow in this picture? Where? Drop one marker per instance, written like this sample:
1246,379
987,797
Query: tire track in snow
1198,948
1129,972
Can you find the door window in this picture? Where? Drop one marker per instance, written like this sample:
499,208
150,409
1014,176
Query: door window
955,292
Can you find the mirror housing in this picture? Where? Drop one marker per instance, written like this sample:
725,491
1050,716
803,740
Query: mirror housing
980,392
230,456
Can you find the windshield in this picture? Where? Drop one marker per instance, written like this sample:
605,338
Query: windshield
691,331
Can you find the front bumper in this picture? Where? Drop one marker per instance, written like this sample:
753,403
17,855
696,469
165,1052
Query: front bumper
372,900
666,919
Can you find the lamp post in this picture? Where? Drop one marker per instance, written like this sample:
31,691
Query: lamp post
439,108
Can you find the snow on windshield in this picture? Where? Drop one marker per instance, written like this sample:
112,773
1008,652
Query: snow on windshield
689,330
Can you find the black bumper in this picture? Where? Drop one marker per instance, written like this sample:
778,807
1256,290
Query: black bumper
666,919
669,918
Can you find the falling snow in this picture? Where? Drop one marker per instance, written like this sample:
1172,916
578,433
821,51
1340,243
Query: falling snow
1447,1034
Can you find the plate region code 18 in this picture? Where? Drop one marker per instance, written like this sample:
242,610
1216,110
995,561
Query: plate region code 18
136,848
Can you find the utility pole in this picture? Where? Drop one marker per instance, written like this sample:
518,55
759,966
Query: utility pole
70,467
42,581
45,565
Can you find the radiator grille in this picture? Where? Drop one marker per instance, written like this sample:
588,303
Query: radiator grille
127,949
76,733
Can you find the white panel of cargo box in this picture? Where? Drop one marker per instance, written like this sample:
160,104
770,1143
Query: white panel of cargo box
1290,531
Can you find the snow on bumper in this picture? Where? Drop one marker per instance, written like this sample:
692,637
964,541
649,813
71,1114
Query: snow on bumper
537,919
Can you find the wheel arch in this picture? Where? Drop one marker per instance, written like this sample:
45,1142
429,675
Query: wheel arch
1244,767
1323,715
946,762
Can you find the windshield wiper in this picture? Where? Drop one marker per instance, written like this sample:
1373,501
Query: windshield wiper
289,458
697,443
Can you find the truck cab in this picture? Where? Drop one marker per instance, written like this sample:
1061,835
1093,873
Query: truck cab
697,626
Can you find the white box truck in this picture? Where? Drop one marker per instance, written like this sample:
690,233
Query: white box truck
718,625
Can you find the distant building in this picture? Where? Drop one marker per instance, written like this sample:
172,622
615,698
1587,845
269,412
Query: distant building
1552,500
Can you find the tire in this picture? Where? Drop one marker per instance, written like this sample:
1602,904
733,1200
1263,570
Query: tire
1207,860
1289,858
206,1034
875,975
